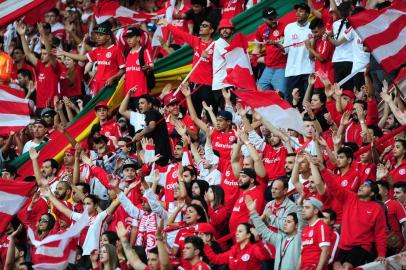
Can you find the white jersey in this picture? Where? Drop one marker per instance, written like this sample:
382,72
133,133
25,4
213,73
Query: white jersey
342,53
360,57
298,62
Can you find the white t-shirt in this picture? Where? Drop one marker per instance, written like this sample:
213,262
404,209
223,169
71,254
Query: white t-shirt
96,223
137,120
342,53
298,62
28,145
360,57
219,65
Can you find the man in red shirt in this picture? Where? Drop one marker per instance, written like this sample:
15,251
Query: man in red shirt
108,128
248,186
399,192
134,72
19,63
321,51
347,173
396,219
202,77
271,33
193,251
46,68
358,237
110,60
315,237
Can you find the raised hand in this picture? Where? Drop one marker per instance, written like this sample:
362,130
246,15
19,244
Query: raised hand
86,159
33,153
180,128
312,79
226,94
207,107
185,89
166,90
345,118
21,28
251,204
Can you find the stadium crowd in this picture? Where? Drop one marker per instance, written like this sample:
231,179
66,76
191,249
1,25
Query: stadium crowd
196,179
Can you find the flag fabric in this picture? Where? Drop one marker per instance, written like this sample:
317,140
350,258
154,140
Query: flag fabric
79,128
32,10
238,67
56,251
107,9
273,109
14,110
13,195
384,33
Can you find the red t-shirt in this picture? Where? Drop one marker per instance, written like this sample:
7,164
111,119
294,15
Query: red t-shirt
274,56
182,25
203,73
240,212
350,179
171,182
230,9
325,49
110,128
314,237
223,142
180,243
200,266
399,173
274,161
71,90
15,70
228,182
109,61
134,75
366,171
396,216
47,83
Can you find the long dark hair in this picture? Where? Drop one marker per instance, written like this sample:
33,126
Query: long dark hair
218,193
248,228
200,211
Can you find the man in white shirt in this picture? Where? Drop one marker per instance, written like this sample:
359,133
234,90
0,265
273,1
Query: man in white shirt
40,131
226,30
298,66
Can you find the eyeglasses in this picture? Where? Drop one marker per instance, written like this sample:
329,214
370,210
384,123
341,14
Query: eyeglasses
205,25
44,220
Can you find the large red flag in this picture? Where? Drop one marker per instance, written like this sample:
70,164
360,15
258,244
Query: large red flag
238,67
106,9
13,194
384,33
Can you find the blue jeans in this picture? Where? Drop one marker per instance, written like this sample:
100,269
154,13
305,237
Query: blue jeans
273,78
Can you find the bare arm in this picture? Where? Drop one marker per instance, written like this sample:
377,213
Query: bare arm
209,110
258,164
186,92
235,159
323,257
21,29
56,203
34,158
123,110
131,255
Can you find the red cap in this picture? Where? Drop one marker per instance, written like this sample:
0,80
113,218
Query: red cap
349,93
170,100
225,23
204,228
70,150
101,104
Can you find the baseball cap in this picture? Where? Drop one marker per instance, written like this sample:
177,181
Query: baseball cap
132,32
40,121
249,172
170,100
303,6
131,163
226,115
48,112
315,202
104,28
101,104
204,228
70,150
225,23
349,93
269,13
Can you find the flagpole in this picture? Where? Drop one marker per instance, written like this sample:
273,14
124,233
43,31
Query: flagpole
349,76
193,69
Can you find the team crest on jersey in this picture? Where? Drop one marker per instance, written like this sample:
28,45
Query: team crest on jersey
275,33
367,170
402,171
241,200
108,54
175,174
311,233
344,183
245,257
295,36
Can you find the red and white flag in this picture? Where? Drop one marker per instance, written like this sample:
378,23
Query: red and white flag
238,67
32,10
56,251
14,110
273,109
107,9
384,33
13,195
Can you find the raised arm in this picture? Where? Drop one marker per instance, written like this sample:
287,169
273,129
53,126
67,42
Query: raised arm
21,30
56,203
131,255
186,92
209,110
123,110
47,45
258,164
37,172
235,158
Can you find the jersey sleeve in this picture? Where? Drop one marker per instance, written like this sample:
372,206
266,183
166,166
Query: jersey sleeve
120,59
400,213
323,235
92,55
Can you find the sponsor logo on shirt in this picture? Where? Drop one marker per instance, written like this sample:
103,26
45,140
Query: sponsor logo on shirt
104,63
271,160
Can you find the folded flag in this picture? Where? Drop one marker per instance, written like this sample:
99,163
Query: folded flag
106,9
273,109
13,195
14,110
384,33
238,67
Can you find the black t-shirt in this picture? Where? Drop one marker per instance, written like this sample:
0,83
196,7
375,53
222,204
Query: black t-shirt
210,13
159,134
